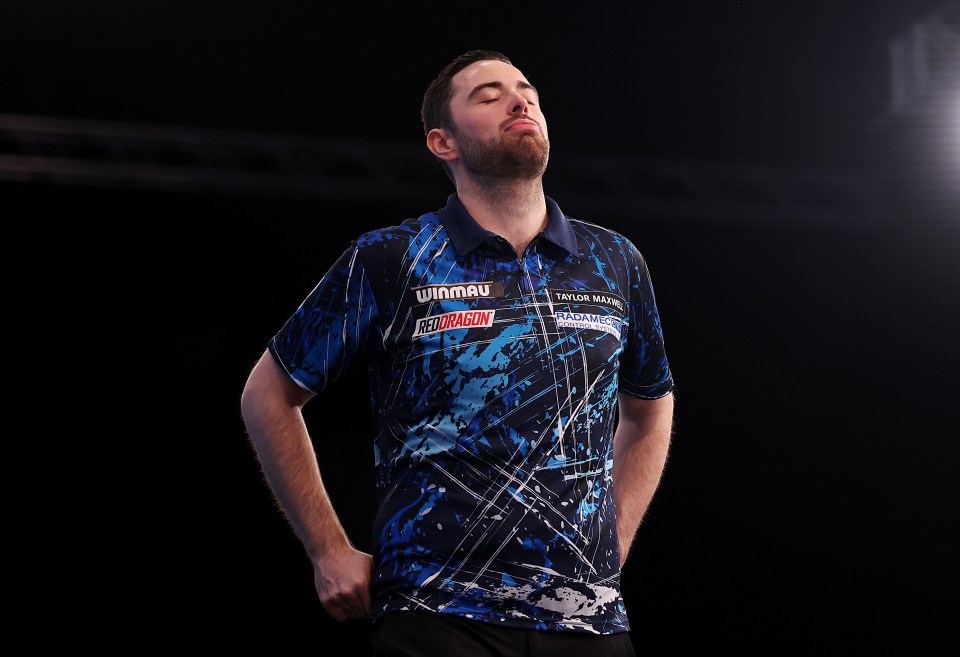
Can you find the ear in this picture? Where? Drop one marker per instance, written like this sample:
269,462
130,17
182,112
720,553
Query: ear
442,144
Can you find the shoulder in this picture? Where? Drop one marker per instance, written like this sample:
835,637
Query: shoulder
400,235
591,236
386,254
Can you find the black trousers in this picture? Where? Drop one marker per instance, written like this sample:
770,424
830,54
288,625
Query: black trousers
431,634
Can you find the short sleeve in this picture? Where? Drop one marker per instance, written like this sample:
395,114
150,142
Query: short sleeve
644,368
331,328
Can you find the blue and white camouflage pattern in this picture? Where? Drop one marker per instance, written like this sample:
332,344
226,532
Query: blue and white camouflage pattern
494,384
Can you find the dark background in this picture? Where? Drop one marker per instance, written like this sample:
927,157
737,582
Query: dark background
800,219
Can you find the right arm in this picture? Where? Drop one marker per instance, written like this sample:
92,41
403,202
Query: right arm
271,405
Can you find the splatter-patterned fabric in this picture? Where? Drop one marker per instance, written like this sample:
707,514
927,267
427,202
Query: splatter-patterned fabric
494,385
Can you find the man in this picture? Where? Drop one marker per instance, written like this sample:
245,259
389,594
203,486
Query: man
522,393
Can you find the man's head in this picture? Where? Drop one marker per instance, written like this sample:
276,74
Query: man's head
482,115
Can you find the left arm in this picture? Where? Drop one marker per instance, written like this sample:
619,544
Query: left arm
640,448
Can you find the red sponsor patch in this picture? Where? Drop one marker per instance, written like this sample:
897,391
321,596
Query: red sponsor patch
455,320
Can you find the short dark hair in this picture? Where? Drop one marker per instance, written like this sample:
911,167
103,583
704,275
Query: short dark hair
435,111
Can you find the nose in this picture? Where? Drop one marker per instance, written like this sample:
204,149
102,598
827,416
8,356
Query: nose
520,105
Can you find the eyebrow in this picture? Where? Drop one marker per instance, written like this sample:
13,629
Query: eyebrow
499,85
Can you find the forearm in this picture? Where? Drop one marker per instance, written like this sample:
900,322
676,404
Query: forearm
290,468
276,429
641,445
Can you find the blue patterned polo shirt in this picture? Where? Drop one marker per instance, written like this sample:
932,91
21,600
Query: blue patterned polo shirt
494,384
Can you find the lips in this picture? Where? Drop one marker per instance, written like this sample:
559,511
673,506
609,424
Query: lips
523,124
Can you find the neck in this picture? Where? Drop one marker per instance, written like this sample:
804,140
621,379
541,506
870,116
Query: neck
514,209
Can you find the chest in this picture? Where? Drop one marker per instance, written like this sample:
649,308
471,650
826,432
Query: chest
487,313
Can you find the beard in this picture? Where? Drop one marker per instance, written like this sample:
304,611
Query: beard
522,156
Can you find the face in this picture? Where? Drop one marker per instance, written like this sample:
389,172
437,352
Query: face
500,130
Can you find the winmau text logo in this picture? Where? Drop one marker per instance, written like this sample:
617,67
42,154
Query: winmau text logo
454,320
487,289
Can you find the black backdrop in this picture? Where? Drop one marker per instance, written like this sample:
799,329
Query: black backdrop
810,503
808,507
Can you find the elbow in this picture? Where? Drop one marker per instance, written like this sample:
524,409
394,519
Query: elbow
250,401
246,400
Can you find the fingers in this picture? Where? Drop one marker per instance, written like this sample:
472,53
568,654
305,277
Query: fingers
366,608
343,584
336,611
348,603
348,607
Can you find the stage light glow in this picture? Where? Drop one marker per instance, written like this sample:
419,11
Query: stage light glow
955,107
